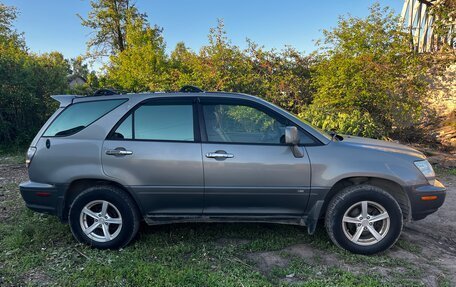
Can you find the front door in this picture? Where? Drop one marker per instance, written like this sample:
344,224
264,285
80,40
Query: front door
248,169
155,151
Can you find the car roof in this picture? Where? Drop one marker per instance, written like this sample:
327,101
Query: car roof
66,100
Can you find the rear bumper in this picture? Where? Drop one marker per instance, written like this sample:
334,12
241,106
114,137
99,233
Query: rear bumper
42,197
435,195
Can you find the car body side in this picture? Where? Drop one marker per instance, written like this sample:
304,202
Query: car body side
75,161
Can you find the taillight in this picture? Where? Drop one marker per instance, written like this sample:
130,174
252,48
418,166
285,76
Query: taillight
30,153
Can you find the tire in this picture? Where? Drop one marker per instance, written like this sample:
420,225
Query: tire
349,230
120,219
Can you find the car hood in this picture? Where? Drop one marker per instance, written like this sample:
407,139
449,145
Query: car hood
380,145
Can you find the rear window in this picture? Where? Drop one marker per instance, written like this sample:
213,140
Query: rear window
78,116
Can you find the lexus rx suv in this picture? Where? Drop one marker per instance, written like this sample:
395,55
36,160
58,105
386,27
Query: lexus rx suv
105,163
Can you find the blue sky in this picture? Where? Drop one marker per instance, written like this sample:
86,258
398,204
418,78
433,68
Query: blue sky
53,25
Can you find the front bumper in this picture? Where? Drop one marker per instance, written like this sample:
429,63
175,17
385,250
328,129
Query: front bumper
435,195
42,197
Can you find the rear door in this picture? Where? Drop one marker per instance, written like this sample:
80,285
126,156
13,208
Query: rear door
156,151
248,169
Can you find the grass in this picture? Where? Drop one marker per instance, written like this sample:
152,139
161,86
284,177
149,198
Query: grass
12,159
443,171
452,171
12,156
409,246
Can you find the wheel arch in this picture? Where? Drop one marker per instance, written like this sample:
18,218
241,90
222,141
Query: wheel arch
393,188
79,185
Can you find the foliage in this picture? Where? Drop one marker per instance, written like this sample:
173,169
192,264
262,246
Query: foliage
141,66
354,123
367,79
7,32
78,67
444,13
109,19
280,77
26,81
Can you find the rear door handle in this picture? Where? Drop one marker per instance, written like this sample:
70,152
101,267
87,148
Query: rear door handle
219,155
119,152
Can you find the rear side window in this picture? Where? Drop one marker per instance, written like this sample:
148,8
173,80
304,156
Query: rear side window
78,116
166,122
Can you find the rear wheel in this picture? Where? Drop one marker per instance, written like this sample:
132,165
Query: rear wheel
364,219
104,217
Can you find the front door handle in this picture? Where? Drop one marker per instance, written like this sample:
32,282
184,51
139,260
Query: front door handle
119,152
219,155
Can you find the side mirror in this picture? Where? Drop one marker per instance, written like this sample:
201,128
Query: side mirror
292,138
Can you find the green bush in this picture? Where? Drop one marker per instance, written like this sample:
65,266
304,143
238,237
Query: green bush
26,81
353,123
367,80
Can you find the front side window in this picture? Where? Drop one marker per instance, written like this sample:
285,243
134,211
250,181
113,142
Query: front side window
241,124
78,116
173,122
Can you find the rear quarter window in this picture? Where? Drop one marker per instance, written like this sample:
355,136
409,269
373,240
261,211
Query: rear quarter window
80,115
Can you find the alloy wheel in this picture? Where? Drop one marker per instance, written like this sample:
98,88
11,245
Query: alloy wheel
100,220
366,223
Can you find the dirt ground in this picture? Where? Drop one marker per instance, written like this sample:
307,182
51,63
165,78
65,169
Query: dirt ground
429,244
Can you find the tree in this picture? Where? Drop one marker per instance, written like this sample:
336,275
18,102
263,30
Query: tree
367,81
281,77
7,32
7,16
78,67
26,81
109,20
182,68
142,65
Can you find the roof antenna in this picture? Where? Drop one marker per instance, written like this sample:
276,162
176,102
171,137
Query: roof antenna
190,89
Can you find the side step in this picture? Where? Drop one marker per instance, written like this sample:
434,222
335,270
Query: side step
167,219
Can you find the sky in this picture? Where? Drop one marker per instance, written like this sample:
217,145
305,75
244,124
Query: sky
53,25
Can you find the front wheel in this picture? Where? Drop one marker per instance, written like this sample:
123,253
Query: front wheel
104,217
364,219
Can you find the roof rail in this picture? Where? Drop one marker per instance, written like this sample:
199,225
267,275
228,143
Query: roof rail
191,89
106,92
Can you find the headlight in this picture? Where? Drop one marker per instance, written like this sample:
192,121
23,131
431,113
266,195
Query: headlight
426,169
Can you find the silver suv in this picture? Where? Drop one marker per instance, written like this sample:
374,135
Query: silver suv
104,163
